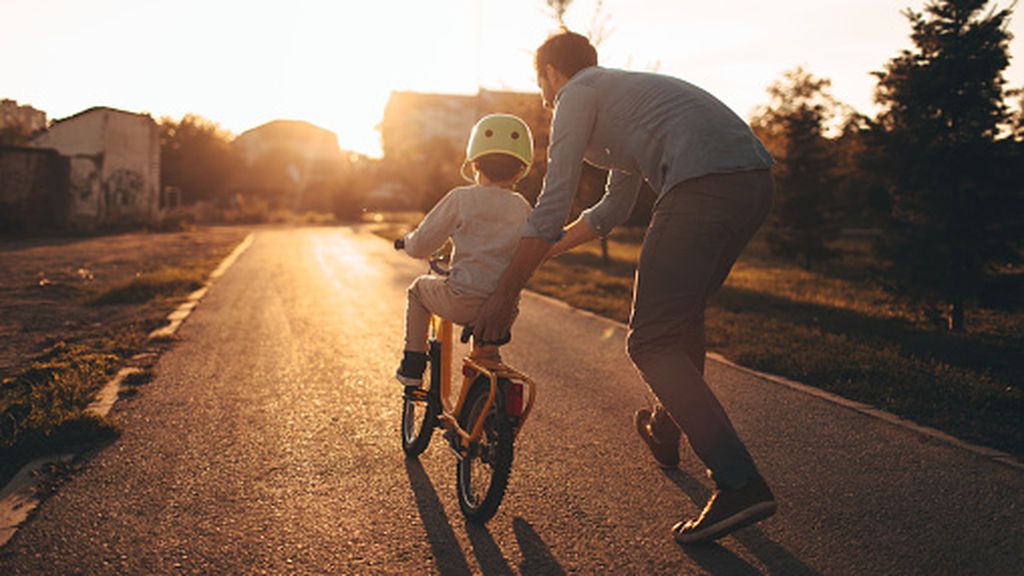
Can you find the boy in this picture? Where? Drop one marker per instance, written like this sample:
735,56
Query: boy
484,221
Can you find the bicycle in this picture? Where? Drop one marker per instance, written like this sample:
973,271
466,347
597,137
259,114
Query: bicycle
481,426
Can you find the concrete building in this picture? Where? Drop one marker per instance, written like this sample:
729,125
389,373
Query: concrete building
114,166
33,189
289,163
424,138
413,120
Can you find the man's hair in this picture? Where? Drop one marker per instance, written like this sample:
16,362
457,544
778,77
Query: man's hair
498,167
568,52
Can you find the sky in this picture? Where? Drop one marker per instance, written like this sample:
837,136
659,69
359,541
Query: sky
334,63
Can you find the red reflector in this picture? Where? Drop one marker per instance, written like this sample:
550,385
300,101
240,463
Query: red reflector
468,371
514,399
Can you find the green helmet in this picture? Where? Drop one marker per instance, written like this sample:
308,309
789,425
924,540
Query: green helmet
499,134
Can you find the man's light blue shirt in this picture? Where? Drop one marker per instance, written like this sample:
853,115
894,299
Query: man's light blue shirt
639,126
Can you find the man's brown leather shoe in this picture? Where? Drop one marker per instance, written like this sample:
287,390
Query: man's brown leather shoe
662,439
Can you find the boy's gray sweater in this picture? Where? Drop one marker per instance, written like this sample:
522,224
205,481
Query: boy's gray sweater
485,224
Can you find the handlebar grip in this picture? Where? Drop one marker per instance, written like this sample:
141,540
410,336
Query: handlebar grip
399,243
435,265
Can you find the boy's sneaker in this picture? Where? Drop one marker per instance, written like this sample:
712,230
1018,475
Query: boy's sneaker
728,511
407,381
410,371
662,440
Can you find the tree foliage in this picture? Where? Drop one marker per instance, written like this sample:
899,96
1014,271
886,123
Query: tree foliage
943,111
793,126
196,156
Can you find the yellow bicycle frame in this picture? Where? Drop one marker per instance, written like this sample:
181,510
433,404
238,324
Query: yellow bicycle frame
488,365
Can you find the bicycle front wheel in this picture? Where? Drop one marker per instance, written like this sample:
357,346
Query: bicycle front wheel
419,412
482,475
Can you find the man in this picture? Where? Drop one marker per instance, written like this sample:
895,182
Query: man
714,189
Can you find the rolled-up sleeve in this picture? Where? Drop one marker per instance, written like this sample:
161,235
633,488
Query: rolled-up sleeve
614,208
571,128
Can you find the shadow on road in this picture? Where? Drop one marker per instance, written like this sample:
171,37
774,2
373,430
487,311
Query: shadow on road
486,550
446,548
537,558
450,560
718,560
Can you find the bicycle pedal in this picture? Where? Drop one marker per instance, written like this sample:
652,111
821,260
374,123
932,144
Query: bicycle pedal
415,393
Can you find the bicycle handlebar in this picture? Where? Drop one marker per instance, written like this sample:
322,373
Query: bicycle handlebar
435,260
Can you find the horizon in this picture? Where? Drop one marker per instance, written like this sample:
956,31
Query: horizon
242,66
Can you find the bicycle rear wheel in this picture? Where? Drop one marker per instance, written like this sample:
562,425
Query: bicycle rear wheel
482,475
419,413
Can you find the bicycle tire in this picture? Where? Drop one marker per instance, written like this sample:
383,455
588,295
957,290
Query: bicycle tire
479,504
419,416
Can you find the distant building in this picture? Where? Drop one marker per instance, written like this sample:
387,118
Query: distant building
424,138
289,162
307,142
114,166
414,122
34,189
24,118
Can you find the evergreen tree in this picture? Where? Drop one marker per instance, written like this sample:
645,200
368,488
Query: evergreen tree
943,108
793,127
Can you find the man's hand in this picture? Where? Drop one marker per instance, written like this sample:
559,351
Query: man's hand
495,316
579,232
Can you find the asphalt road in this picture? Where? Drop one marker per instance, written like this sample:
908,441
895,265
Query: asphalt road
268,443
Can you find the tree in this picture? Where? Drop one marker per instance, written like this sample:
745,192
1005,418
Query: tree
793,126
14,134
942,112
558,8
196,156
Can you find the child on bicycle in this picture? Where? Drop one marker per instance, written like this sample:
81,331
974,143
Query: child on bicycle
484,221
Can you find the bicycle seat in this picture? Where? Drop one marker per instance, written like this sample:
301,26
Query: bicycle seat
467,332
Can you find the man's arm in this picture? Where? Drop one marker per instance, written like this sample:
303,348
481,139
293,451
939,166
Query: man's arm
571,128
614,208
495,316
579,232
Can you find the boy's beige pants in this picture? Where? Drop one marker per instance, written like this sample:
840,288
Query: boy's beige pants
430,294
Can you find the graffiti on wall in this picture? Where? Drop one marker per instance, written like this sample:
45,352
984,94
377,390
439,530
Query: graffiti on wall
124,188
85,187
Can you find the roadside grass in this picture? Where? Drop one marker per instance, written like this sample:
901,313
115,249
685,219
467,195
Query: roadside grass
834,328
145,286
42,407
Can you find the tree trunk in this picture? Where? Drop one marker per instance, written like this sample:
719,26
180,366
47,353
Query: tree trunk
959,255
956,315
